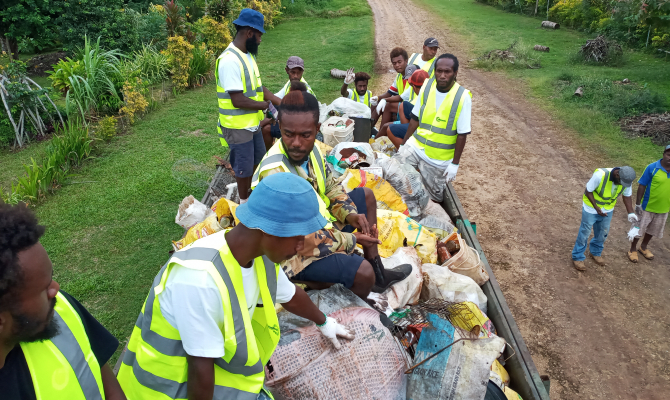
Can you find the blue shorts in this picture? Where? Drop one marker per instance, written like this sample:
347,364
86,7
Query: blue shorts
274,130
407,108
358,197
398,130
335,268
243,156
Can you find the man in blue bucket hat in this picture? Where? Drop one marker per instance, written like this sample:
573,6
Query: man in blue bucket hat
242,99
209,325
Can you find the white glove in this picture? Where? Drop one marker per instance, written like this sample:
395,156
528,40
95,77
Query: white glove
633,233
632,218
451,171
350,76
332,329
380,106
373,101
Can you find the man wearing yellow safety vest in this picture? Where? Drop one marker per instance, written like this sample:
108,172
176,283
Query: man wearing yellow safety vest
439,128
328,256
295,67
396,130
426,60
51,347
208,326
360,94
399,62
242,99
599,199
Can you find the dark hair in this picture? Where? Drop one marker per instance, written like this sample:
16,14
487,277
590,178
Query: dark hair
299,100
449,56
18,231
361,76
399,51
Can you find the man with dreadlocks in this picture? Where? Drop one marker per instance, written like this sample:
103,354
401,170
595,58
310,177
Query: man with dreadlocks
328,255
50,346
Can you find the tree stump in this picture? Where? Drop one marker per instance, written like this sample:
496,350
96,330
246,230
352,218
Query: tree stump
550,25
539,47
579,92
338,73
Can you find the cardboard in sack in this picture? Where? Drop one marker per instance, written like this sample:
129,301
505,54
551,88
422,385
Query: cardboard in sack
397,230
198,231
387,197
191,212
468,262
408,290
305,365
460,372
440,283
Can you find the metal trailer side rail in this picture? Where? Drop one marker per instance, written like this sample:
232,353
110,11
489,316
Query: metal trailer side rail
524,377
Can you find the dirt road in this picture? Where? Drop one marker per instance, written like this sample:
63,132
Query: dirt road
599,334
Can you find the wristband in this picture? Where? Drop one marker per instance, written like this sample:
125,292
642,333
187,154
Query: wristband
324,323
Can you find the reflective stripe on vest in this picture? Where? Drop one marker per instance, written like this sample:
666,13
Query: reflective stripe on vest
603,193
356,97
287,87
437,129
401,85
242,381
229,116
412,97
79,378
276,158
429,66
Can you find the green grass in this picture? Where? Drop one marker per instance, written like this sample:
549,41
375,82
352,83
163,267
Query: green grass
109,228
482,28
11,162
325,8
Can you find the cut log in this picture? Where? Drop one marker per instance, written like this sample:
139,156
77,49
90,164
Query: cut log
626,80
550,25
338,73
579,92
539,47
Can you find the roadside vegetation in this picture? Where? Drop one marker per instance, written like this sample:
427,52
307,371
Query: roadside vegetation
606,99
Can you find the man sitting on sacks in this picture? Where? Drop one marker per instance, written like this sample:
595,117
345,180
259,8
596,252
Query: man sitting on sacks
328,256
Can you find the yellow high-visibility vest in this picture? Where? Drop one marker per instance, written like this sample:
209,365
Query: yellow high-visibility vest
366,98
603,195
155,364
277,158
436,133
239,118
429,66
287,87
400,84
412,97
64,367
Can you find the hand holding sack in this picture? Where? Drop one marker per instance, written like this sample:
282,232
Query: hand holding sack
332,330
632,218
350,76
450,172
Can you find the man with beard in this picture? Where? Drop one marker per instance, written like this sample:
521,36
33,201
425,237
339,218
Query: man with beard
242,99
399,63
439,127
426,60
295,67
360,94
328,255
50,346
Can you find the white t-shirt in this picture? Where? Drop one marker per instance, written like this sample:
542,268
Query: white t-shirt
407,93
230,74
462,126
361,99
419,61
191,303
592,185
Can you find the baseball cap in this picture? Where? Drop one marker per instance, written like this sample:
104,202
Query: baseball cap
266,209
627,176
295,62
418,77
251,18
431,42
409,70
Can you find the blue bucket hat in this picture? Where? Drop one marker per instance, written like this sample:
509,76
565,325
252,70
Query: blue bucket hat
282,205
251,18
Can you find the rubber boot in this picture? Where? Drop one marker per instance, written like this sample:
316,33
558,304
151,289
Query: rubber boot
388,276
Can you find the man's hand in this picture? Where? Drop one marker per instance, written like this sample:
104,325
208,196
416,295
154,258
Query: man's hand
366,240
373,101
450,172
332,330
350,76
599,211
360,222
632,218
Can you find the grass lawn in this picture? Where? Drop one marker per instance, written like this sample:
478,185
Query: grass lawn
483,28
109,229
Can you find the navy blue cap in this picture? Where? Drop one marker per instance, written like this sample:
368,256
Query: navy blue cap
282,205
251,18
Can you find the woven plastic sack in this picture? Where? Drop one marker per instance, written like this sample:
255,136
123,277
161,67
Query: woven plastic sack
440,283
198,231
225,212
387,197
409,289
305,365
191,212
468,262
407,181
398,230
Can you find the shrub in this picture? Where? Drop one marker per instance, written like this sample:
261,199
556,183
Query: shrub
134,99
60,76
152,28
215,34
179,54
148,63
220,10
517,56
174,18
271,10
105,129
201,65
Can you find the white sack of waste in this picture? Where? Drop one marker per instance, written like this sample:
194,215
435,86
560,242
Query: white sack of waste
468,262
191,212
408,290
436,220
344,106
440,283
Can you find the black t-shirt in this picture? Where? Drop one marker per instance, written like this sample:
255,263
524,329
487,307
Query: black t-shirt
15,379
